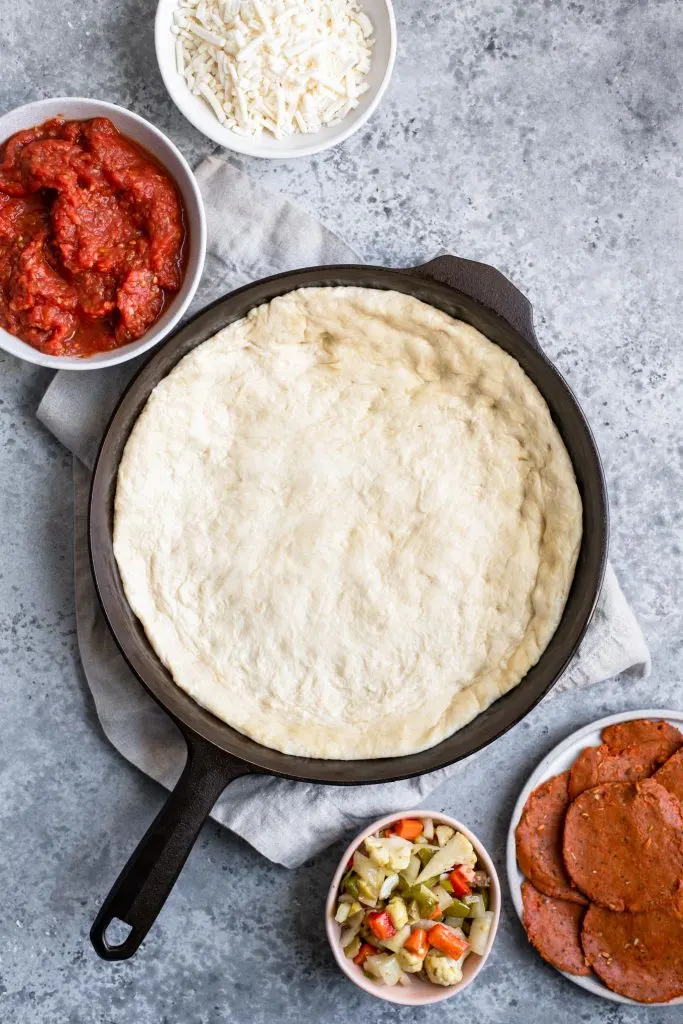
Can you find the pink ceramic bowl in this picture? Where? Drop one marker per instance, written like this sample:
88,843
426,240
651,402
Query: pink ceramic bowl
418,993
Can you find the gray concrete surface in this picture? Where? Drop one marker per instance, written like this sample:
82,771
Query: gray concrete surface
543,137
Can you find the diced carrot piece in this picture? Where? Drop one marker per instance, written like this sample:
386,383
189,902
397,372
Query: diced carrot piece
408,828
436,913
447,941
363,953
417,942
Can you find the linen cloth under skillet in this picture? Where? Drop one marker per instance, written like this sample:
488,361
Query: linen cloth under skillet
254,234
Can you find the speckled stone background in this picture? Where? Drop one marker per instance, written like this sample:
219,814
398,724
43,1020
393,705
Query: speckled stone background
543,136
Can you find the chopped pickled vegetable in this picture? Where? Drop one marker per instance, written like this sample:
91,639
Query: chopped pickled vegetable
397,911
425,854
363,953
393,852
413,911
368,870
457,908
350,883
417,943
443,898
428,828
479,933
367,894
343,911
409,874
458,850
425,899
453,922
352,949
442,969
353,926
409,961
388,886
380,924
447,941
384,968
408,828
475,904
443,834
396,942
460,882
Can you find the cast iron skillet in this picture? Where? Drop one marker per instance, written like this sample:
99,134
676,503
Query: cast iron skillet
217,754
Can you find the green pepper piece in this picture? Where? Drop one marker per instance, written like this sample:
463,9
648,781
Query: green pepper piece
425,899
350,883
424,855
353,948
413,911
484,893
457,909
447,885
365,890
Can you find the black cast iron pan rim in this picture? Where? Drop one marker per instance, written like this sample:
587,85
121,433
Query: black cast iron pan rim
220,760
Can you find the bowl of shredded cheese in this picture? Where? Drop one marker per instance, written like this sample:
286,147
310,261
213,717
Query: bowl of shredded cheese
276,78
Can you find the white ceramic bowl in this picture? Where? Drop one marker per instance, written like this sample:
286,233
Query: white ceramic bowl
197,112
418,993
144,133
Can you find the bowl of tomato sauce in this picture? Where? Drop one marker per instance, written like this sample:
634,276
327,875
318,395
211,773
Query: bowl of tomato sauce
102,234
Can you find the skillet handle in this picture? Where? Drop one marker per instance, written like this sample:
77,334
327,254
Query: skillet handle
488,286
140,891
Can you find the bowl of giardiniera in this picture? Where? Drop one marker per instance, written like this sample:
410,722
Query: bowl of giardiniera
413,908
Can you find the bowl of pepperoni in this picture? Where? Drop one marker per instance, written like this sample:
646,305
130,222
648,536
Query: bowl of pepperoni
102,234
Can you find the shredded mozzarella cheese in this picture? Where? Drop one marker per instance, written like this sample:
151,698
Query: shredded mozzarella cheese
279,66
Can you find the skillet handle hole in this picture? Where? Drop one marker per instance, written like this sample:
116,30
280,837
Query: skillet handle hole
116,933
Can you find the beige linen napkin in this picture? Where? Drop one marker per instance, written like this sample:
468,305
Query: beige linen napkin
254,234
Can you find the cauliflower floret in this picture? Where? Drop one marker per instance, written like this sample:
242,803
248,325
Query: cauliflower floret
411,963
443,834
442,969
392,853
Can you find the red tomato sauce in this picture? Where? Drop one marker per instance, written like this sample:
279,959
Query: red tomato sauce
93,241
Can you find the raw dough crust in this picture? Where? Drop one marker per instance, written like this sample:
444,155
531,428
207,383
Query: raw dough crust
347,523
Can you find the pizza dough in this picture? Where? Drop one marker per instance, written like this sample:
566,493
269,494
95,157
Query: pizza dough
347,523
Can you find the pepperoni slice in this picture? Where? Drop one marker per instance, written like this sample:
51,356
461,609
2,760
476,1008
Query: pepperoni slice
630,751
538,839
597,765
670,775
623,845
554,928
643,730
637,955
